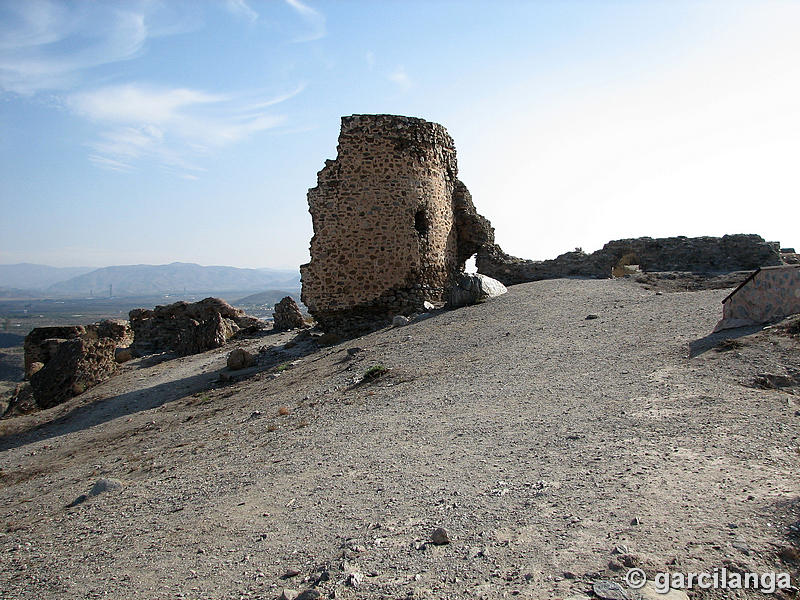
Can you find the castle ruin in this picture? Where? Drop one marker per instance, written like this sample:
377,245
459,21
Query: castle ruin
393,225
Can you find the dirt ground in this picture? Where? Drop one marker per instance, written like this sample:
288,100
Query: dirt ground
557,451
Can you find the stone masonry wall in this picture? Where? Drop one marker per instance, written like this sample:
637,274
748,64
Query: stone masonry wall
385,234
711,255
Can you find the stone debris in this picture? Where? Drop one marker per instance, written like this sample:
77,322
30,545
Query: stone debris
62,362
354,579
399,321
240,359
738,252
21,401
473,288
188,328
122,355
287,315
106,484
650,592
440,536
287,594
611,590
309,595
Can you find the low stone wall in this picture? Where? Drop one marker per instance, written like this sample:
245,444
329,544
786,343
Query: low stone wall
712,255
62,362
188,328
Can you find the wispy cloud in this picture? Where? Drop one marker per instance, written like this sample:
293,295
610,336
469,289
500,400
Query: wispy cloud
314,20
169,126
241,9
400,77
45,46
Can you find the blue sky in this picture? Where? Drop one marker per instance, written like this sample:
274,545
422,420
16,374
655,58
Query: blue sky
152,132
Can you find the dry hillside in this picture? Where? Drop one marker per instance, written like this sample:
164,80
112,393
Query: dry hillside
555,450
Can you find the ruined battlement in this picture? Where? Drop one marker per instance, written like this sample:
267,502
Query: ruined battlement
389,216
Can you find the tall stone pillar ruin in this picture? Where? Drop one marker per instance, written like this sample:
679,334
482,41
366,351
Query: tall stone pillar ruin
392,223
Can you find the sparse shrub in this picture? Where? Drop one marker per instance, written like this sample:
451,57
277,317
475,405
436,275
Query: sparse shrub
374,372
729,344
283,411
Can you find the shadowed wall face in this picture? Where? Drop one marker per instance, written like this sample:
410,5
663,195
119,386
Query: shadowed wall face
385,233
770,294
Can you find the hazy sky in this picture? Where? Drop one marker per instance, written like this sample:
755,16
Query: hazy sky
152,132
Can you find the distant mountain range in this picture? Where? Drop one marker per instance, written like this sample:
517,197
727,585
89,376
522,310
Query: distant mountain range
27,276
142,280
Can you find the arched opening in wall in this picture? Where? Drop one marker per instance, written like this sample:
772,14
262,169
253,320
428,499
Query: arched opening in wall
626,265
471,266
421,222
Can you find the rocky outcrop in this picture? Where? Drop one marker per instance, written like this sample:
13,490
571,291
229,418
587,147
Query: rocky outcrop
393,225
474,288
62,362
188,328
287,315
710,255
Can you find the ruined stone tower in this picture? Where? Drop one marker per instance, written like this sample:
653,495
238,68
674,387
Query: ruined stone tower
392,224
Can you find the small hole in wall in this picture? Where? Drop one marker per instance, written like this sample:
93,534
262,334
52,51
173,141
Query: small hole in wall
421,222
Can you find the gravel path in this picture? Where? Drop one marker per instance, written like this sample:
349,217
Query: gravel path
555,450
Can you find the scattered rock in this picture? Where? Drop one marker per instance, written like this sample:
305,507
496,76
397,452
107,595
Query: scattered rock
635,521
240,359
328,339
35,367
789,554
106,484
741,546
649,592
287,594
308,595
611,590
290,572
472,289
354,350
122,355
21,402
590,317
440,536
354,579
399,321
287,315
427,306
